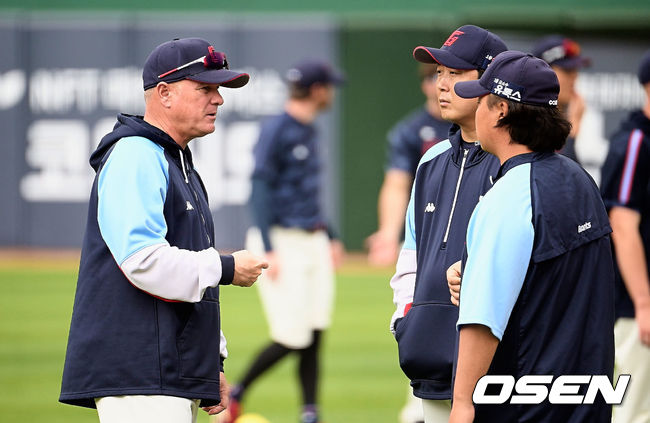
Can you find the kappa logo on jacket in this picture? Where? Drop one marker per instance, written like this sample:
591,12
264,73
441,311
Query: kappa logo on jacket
188,206
429,208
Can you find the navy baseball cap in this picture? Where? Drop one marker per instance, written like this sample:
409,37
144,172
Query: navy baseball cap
644,69
557,50
468,47
515,76
190,58
313,71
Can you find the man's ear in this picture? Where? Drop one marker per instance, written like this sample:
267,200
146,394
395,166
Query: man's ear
164,94
503,109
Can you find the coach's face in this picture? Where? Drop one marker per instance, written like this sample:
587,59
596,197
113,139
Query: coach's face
193,108
484,123
452,107
490,109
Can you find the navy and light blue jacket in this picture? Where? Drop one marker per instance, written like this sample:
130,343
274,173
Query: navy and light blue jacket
539,274
451,178
411,137
146,310
626,183
286,179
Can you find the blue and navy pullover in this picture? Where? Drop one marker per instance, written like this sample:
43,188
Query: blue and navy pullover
451,178
626,183
146,310
539,275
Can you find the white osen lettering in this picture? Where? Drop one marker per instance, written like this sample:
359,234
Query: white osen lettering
532,389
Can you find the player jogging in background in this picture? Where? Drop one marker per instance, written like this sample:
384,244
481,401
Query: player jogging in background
298,291
450,179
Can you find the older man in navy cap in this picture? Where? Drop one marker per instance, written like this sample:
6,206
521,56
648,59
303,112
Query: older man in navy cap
537,283
625,186
145,341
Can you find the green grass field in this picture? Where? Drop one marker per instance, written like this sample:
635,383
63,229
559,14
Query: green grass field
361,381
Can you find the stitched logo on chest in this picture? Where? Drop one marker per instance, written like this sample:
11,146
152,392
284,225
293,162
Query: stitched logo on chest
429,208
188,206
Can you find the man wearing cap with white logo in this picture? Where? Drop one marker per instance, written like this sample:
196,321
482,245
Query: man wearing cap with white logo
563,55
625,187
538,279
291,230
145,341
450,179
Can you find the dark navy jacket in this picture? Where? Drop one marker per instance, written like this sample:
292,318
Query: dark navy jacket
450,179
539,274
626,183
286,179
123,340
411,137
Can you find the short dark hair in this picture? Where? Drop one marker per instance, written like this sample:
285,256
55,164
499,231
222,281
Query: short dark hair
541,128
299,92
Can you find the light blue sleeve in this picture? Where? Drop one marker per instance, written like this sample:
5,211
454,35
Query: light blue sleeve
131,192
500,239
409,222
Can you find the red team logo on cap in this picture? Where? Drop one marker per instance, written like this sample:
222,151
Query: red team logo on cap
452,38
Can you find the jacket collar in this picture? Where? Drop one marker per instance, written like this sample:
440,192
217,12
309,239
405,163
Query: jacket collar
519,160
637,119
458,147
130,125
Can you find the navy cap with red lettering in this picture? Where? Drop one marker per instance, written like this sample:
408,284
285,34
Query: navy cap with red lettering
468,47
515,76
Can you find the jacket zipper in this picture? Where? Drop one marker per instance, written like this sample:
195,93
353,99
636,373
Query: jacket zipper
196,198
453,205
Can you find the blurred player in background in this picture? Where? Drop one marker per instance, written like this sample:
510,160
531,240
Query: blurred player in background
626,190
536,295
408,140
563,55
291,230
450,179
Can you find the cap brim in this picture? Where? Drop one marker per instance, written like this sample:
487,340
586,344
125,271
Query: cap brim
470,89
573,62
337,79
439,56
223,77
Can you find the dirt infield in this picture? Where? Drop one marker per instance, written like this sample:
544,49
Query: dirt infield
61,258
39,257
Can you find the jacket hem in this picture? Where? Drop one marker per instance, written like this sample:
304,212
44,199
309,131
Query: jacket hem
87,399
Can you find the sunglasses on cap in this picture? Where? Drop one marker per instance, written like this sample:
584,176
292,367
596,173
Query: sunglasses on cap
213,60
567,49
